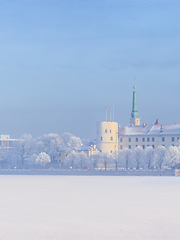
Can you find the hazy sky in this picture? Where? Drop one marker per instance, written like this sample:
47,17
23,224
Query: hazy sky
62,61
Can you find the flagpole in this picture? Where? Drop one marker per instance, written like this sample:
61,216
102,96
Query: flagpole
110,114
106,112
113,112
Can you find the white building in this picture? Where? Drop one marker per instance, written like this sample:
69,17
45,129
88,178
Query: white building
6,141
149,135
145,135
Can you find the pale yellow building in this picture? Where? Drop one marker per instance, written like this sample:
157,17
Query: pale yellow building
107,136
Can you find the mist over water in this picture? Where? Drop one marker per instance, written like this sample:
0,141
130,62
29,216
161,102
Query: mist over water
83,207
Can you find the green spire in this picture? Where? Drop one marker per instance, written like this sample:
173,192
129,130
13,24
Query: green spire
134,113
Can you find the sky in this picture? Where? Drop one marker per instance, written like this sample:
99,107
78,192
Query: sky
62,62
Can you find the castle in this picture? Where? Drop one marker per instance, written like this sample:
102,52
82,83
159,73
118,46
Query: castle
109,138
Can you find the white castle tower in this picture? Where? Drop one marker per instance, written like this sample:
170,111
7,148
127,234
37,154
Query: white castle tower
107,136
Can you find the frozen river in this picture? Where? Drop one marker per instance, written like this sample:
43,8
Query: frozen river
77,207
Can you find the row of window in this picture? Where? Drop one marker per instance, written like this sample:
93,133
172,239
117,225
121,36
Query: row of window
148,139
143,146
137,139
106,131
111,138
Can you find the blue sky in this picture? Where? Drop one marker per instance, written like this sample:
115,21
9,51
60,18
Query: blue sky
61,62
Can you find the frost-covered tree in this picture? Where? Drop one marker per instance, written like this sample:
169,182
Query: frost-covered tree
43,158
32,159
172,156
95,159
50,144
126,156
149,156
4,154
105,159
23,148
70,142
71,159
81,160
115,156
160,156
138,155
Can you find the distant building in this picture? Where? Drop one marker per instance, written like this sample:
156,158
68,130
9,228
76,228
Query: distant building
145,135
6,141
110,138
149,135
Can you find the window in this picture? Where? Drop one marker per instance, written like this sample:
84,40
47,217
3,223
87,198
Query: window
111,151
147,145
173,145
153,146
111,138
163,145
172,139
59,154
147,139
136,139
136,145
143,146
110,131
121,139
143,139
129,139
163,139
101,138
129,146
152,139
121,147
105,130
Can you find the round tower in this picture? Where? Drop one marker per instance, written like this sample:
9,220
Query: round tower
107,136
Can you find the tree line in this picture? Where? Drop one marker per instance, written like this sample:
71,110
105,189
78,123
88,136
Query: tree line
47,149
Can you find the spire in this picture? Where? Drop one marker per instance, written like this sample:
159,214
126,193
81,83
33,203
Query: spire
135,120
134,113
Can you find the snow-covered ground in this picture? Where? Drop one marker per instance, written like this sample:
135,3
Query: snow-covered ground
89,207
